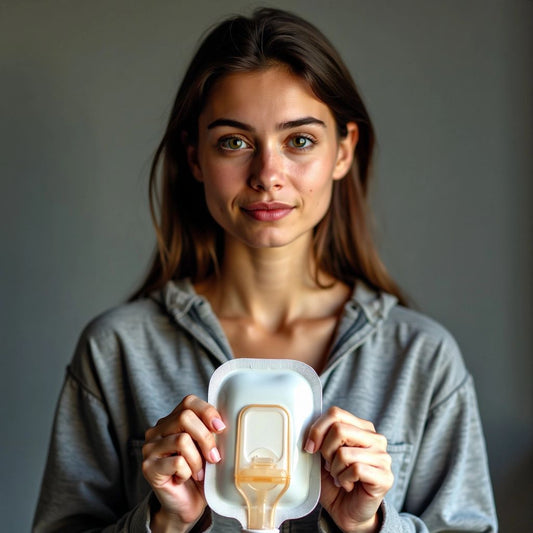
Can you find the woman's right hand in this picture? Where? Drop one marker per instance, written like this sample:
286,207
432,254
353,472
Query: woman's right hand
174,455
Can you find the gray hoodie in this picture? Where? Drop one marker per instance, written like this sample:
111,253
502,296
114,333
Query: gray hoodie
388,364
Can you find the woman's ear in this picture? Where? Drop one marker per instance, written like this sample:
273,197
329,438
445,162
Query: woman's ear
192,156
346,150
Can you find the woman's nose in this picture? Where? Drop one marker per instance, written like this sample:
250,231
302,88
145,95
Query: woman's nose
266,173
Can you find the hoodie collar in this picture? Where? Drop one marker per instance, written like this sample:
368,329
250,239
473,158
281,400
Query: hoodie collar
193,312
363,313
375,305
179,296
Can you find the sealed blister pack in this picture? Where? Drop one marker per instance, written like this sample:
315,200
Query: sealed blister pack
265,477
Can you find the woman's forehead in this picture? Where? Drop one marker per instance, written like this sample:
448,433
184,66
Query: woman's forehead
267,97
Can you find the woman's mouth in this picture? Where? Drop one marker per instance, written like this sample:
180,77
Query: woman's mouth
267,211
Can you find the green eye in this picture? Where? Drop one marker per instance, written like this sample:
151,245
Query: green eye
301,141
233,143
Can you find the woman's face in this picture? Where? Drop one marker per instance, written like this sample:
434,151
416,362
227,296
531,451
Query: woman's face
267,155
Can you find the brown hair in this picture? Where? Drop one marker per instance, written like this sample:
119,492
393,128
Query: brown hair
189,241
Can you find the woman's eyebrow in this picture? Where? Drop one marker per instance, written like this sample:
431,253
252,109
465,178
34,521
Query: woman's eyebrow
290,124
305,121
229,122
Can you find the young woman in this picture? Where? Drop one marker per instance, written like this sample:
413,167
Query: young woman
259,200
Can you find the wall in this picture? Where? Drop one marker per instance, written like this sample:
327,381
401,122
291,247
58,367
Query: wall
86,88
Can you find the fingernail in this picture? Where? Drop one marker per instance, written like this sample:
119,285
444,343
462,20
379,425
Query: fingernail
309,446
327,466
214,455
200,475
336,481
218,424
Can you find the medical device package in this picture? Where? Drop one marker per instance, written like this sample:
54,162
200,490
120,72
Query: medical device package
265,477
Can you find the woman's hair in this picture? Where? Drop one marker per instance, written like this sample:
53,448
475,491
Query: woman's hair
189,241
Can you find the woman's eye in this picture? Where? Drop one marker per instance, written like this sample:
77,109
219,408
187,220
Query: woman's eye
233,143
301,141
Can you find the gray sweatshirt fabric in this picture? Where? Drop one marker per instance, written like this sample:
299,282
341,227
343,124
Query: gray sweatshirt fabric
388,364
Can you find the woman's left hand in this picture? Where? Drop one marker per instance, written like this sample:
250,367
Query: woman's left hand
356,469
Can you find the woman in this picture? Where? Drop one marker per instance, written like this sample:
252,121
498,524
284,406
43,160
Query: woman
264,251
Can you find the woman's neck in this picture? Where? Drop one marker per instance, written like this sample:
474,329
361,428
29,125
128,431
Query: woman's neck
271,287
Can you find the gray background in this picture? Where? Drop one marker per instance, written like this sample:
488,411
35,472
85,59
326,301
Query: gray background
85,92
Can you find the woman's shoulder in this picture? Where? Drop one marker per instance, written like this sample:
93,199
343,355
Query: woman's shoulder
125,318
118,337
411,343
415,322
137,323
398,321
428,349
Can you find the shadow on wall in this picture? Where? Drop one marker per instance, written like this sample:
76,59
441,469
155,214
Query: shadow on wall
513,498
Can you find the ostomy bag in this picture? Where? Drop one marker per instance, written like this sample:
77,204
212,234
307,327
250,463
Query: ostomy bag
265,477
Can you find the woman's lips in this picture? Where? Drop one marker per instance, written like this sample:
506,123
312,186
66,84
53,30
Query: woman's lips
267,211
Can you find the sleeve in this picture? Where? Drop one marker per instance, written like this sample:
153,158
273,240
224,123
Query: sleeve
84,495
450,487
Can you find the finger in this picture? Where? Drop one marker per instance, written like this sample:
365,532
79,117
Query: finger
194,433
186,420
376,482
189,422
181,445
346,457
171,423
321,426
346,435
160,471
206,412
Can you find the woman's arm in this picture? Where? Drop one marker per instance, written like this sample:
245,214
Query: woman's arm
81,488
450,487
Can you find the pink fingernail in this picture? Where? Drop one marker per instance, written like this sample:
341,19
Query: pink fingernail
214,455
336,481
200,475
309,446
218,424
